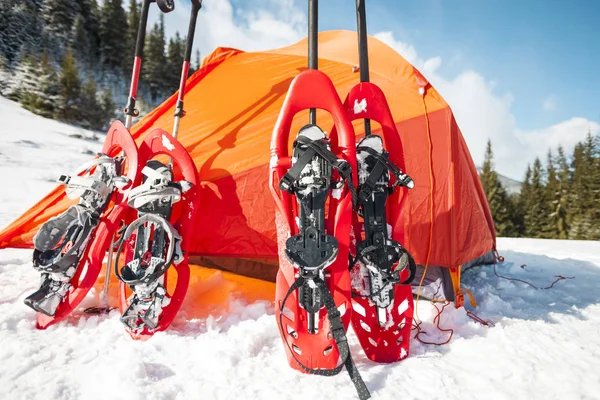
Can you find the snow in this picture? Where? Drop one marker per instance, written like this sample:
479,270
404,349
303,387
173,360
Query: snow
544,344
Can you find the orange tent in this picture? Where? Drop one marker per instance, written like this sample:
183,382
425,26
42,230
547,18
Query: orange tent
233,101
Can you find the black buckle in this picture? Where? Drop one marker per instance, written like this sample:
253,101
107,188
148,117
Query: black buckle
286,183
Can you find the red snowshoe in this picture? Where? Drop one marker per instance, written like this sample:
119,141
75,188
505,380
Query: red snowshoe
70,248
381,268
157,240
312,297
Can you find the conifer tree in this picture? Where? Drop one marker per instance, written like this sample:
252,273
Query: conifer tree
175,54
92,115
525,199
89,11
69,109
550,229
79,43
133,22
498,200
48,88
23,81
580,194
113,47
20,29
4,73
58,17
561,200
592,151
537,211
155,62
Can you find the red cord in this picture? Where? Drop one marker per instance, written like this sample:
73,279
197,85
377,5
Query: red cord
477,318
436,320
558,278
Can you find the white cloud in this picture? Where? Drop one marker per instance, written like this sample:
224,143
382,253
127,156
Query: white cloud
272,24
483,113
550,104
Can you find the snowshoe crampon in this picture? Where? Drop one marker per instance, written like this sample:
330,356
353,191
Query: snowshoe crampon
381,269
70,248
313,190
154,273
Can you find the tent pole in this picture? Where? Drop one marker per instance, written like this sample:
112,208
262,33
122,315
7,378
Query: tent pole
313,45
363,51
185,68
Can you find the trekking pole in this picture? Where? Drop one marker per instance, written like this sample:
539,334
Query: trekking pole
313,45
185,68
130,111
363,51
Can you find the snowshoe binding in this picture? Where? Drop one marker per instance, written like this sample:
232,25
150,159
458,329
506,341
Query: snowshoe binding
156,246
311,180
380,261
61,243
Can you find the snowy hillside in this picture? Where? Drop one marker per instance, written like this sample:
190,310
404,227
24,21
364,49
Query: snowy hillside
544,343
512,186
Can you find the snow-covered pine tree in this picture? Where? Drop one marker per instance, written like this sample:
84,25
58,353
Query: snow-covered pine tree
501,206
549,229
69,108
155,63
561,200
80,44
23,80
113,48
48,92
592,151
89,11
58,17
20,29
4,72
577,193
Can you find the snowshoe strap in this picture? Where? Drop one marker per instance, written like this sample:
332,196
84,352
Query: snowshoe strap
394,277
156,187
134,272
338,333
77,185
58,245
84,183
383,163
317,148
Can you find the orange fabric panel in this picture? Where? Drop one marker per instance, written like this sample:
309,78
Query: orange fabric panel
210,292
460,228
236,217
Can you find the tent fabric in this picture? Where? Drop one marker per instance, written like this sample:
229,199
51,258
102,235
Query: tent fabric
436,286
232,103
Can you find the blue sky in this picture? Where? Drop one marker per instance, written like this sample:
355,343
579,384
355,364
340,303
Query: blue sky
523,73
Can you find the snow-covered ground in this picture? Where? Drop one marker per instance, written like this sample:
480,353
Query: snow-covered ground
545,344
